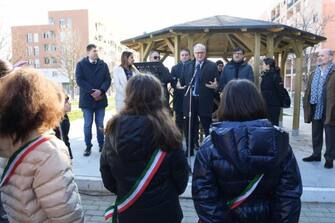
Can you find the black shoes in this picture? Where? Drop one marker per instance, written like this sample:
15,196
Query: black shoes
87,151
312,158
329,164
100,148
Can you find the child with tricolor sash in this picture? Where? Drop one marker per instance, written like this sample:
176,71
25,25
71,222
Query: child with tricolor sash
142,161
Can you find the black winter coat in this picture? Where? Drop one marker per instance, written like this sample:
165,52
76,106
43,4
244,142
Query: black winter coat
177,72
88,80
125,155
229,73
271,86
230,158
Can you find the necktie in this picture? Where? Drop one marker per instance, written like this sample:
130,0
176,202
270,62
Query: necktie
197,80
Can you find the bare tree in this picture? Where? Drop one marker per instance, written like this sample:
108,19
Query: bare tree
71,51
308,20
5,51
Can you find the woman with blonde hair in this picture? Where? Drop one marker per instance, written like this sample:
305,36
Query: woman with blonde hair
121,74
37,184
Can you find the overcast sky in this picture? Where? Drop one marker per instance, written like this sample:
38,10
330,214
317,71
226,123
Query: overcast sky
132,17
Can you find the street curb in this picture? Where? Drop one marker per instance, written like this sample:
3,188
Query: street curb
310,194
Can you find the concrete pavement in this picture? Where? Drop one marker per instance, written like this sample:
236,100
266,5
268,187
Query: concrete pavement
318,182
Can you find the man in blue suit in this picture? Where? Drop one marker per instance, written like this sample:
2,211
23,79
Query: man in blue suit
93,79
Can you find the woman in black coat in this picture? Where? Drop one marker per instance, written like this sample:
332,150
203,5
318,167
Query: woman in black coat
243,149
132,137
271,88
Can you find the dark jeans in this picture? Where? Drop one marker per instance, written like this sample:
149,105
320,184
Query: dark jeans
273,114
205,122
317,139
99,123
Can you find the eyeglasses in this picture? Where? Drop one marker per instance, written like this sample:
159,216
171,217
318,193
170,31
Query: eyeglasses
157,57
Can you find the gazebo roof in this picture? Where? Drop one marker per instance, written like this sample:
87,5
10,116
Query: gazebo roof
227,24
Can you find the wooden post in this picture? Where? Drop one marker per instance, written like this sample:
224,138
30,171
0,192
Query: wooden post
297,88
190,43
257,54
176,49
147,50
141,52
270,45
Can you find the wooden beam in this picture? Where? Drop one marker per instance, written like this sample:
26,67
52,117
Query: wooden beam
147,50
229,40
176,49
190,43
245,40
141,52
270,45
257,54
276,30
297,87
170,44
164,57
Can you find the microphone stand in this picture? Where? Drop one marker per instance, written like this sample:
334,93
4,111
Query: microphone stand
189,91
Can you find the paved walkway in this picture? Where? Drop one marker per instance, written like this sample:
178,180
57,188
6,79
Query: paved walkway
310,213
316,179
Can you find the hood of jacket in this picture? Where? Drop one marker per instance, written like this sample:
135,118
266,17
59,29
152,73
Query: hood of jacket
131,138
251,146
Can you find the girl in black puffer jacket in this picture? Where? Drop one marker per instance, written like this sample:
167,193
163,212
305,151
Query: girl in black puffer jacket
241,147
132,137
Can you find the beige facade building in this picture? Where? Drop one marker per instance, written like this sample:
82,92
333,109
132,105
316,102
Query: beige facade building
315,16
66,35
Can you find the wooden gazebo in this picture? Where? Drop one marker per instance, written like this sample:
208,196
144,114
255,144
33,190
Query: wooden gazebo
221,34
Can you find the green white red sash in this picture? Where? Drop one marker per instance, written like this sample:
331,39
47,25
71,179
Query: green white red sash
246,193
139,187
15,160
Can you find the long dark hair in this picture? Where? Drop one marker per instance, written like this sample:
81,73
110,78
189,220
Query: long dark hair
272,63
124,59
144,97
241,101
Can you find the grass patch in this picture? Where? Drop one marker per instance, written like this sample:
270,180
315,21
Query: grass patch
76,114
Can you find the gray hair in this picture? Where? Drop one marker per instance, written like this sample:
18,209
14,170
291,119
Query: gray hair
199,47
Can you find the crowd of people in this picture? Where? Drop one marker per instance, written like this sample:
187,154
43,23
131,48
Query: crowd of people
244,170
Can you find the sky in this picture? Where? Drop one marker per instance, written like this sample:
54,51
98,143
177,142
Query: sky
129,18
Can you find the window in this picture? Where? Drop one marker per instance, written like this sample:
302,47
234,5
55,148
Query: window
62,36
49,35
69,23
46,60
315,18
53,47
30,62
37,63
35,37
54,73
53,60
46,47
62,23
29,38
36,50
51,21
29,51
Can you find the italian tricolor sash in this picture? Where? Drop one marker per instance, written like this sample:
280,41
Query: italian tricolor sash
15,160
139,187
234,203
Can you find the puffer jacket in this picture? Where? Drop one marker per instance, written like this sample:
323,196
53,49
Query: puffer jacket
124,157
230,158
42,188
